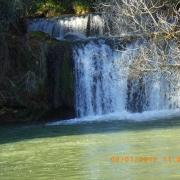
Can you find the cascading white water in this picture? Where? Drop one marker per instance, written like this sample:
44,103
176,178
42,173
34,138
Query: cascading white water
103,83
96,24
100,77
60,26
91,24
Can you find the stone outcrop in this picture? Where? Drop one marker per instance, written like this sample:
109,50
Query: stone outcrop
37,81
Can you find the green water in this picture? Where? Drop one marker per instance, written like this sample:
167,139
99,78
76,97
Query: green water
84,152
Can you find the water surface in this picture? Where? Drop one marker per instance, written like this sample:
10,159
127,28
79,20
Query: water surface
85,151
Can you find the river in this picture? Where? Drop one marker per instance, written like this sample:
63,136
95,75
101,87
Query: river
91,151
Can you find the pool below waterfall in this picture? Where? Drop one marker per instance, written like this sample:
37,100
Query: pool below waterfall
91,151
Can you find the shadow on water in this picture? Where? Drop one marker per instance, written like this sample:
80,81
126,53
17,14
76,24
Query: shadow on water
10,134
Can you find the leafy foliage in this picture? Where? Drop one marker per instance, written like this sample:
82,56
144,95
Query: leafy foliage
58,7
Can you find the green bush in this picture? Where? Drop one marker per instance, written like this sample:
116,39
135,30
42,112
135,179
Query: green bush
81,7
57,7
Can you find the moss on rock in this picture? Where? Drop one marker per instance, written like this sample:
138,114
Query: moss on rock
36,77
60,74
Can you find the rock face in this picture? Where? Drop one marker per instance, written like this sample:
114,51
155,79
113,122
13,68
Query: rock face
74,36
37,81
60,78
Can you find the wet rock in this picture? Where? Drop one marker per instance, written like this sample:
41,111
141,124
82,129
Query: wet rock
74,36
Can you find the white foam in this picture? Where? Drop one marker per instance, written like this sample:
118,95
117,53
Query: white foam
58,27
123,116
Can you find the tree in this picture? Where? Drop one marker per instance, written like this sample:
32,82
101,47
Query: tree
157,22
144,17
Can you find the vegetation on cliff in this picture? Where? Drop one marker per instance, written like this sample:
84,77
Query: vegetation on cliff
58,7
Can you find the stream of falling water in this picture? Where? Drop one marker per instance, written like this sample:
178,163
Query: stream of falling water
103,83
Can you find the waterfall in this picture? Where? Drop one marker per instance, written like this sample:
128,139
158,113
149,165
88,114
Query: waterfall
106,79
100,77
89,25
104,84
